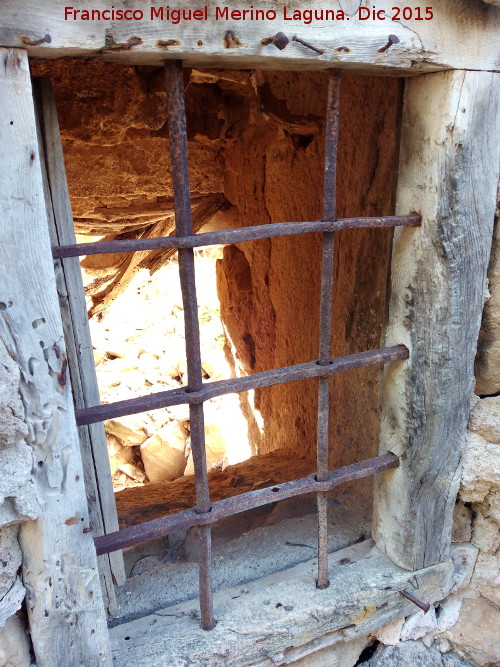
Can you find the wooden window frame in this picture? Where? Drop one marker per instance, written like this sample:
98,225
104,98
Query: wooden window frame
448,173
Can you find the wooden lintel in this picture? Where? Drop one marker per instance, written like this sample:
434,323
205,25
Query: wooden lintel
448,173
458,35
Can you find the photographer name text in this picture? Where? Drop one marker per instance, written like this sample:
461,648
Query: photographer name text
175,16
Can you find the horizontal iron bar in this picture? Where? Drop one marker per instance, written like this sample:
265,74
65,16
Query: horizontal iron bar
221,509
231,235
311,369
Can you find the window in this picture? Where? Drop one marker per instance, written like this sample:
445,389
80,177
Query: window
197,392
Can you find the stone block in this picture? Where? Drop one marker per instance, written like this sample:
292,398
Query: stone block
390,634
119,454
486,532
163,454
10,558
475,635
481,468
485,418
418,625
449,611
406,654
131,430
11,601
14,644
453,660
486,579
463,557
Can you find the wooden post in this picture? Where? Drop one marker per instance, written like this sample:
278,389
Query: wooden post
64,601
96,468
448,172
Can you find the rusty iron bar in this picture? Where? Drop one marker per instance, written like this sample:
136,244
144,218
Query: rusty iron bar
311,369
174,82
221,509
325,319
307,45
238,235
424,606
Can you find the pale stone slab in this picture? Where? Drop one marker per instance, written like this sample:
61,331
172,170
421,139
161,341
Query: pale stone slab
280,618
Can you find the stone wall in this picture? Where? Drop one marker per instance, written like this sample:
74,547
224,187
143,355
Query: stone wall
488,352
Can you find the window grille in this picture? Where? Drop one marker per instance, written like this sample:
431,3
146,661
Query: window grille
197,392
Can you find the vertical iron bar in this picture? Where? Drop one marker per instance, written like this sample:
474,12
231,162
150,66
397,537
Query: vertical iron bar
183,224
325,322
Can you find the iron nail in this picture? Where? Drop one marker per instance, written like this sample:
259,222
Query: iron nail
280,40
309,46
424,606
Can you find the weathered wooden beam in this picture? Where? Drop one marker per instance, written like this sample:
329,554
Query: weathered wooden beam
283,617
449,160
64,601
81,365
459,35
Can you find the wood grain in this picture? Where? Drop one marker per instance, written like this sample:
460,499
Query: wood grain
97,473
450,150
63,594
461,34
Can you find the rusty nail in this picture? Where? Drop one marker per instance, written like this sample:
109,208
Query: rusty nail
28,41
424,606
309,46
62,375
231,40
165,43
111,44
134,41
393,39
280,40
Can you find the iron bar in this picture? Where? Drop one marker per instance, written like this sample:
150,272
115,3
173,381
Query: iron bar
238,235
222,509
176,114
311,369
424,606
325,320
